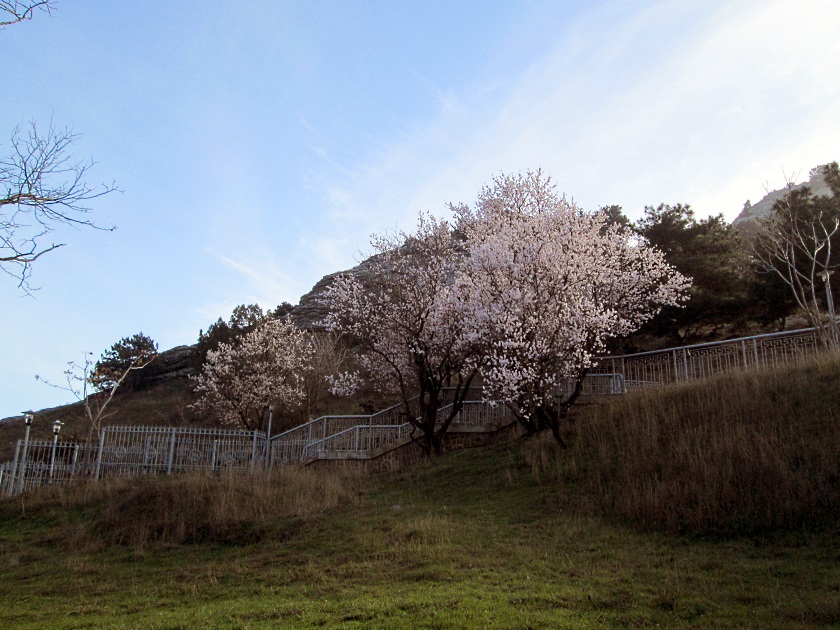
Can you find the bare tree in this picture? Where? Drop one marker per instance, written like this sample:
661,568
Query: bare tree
14,11
799,242
95,399
41,187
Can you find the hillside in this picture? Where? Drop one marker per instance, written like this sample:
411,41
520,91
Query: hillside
514,535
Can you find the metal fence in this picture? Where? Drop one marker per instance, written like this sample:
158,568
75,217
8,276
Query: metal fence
366,436
480,413
42,462
302,442
619,374
131,451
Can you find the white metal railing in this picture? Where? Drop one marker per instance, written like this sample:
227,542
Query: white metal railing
359,438
368,437
623,373
301,442
42,462
132,450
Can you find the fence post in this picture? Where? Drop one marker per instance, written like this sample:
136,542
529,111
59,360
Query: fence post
357,438
23,456
171,452
99,454
676,367
213,455
13,476
254,450
268,433
755,351
75,460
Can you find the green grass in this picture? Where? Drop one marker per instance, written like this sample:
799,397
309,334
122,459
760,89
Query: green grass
469,540
520,535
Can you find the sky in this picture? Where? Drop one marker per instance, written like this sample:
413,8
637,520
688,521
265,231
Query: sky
257,147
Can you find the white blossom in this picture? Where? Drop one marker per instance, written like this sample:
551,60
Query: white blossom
547,285
409,323
266,366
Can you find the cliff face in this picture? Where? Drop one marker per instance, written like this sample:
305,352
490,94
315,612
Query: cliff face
310,311
816,183
177,362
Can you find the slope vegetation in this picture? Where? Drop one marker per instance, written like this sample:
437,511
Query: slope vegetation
614,531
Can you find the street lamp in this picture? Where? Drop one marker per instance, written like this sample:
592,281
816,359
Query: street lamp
56,429
28,417
825,274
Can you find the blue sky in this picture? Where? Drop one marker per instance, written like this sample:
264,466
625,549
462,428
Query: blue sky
258,146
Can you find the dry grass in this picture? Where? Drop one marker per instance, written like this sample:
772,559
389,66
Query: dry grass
744,453
227,508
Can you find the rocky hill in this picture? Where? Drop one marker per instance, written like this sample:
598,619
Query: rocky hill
310,311
816,183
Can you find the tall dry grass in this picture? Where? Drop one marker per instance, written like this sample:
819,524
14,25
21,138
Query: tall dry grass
228,508
744,453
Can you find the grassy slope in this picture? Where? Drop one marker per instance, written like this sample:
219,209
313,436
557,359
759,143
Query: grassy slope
468,540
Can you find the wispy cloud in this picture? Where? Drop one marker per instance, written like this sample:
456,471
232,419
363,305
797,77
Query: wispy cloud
694,102
268,284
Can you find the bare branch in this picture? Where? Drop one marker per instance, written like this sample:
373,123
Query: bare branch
14,11
41,188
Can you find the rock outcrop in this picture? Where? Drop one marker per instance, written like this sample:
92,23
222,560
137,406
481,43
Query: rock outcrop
816,183
177,362
310,312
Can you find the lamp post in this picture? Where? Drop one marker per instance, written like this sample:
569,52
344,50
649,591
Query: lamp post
56,429
27,418
825,274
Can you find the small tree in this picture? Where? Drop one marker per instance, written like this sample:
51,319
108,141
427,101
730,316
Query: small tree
243,320
800,243
266,366
329,357
114,363
409,325
548,284
96,395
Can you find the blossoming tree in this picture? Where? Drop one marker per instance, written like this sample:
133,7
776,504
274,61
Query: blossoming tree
266,366
548,285
410,327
